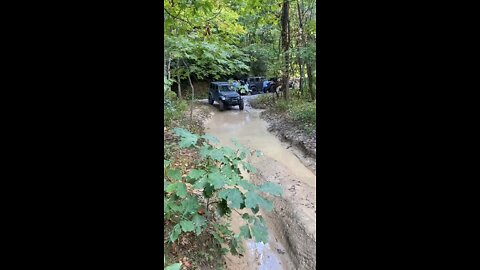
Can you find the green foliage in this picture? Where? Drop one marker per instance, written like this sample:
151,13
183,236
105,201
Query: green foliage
176,266
205,57
262,102
299,110
306,114
173,108
217,186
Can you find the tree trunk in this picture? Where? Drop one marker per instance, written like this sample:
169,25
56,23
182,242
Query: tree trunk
168,68
193,91
179,91
302,73
285,45
310,80
191,103
302,38
304,45
165,72
309,68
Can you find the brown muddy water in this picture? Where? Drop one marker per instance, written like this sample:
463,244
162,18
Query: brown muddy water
292,231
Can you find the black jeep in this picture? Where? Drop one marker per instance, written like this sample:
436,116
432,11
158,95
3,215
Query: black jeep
224,95
255,84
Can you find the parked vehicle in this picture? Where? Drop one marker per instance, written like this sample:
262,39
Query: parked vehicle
224,95
255,84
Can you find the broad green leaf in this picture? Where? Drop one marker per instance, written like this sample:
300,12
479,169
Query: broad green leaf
210,138
208,190
166,209
199,222
228,171
216,154
171,187
187,226
200,184
190,205
271,188
233,197
247,166
245,232
187,139
175,233
246,185
216,179
174,174
229,152
166,163
253,199
233,246
175,266
179,188
204,151
195,174
259,232
172,204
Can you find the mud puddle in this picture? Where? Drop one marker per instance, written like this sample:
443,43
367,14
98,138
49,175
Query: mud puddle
292,232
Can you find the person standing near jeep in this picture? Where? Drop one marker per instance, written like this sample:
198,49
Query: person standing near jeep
265,85
235,84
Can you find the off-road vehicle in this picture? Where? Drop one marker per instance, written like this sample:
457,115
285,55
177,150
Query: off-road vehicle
255,84
224,95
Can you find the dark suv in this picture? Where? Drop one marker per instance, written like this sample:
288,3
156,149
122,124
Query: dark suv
255,83
224,95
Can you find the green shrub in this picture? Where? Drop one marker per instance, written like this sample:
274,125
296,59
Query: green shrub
173,108
304,113
215,187
262,102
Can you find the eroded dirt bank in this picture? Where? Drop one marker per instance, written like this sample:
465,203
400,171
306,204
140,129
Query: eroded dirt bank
292,222
303,143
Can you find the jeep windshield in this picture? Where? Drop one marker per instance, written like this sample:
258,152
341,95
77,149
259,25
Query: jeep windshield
225,88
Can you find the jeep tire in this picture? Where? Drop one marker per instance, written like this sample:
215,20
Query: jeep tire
241,105
210,100
222,105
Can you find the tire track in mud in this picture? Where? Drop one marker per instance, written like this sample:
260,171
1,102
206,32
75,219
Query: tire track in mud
292,243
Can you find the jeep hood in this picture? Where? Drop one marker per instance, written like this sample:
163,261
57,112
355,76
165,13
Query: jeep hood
229,93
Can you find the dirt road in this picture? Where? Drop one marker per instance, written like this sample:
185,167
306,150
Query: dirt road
292,230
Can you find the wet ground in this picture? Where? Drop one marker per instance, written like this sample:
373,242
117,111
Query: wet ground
292,230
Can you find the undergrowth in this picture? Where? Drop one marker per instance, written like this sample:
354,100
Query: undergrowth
173,108
198,197
296,109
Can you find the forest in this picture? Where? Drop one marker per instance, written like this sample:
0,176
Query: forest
207,181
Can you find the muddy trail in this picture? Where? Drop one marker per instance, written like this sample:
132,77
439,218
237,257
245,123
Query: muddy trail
292,223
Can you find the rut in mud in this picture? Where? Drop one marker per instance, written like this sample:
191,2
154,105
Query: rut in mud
292,223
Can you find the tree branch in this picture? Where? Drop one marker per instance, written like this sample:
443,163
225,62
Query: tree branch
214,16
175,17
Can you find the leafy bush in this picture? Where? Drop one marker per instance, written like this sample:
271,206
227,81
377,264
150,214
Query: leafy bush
193,201
305,114
261,102
173,108
295,109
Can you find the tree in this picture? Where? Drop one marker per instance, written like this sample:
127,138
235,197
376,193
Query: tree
285,46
